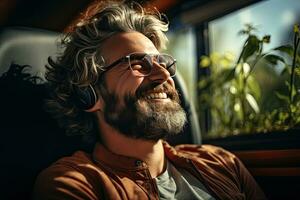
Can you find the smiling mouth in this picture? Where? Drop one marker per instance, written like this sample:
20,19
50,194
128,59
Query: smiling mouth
159,95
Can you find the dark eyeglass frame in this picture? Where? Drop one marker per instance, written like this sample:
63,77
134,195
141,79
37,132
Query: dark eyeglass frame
144,55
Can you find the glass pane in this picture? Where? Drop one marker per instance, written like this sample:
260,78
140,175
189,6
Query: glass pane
182,47
275,18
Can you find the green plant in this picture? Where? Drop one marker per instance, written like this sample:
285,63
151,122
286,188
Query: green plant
288,116
232,93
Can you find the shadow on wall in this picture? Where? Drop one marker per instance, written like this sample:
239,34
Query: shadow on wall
30,139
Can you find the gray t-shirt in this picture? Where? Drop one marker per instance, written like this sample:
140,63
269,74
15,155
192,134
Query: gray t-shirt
180,184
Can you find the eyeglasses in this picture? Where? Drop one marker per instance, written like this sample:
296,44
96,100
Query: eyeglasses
141,64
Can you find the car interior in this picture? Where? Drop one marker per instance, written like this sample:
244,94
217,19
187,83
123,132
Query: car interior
31,139
38,141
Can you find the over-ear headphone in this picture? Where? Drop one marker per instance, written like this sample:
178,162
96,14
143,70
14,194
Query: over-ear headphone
85,97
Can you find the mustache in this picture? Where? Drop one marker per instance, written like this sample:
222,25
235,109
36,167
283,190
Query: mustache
165,87
144,88
112,98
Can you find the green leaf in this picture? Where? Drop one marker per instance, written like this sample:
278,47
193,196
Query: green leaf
251,47
253,87
247,30
283,116
273,59
293,108
204,83
287,83
252,102
250,27
282,97
288,49
228,75
238,110
294,92
297,60
266,39
297,71
296,28
287,69
204,62
243,32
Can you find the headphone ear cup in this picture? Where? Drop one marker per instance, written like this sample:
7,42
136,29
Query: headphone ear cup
85,97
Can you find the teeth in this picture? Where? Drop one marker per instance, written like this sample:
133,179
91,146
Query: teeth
160,95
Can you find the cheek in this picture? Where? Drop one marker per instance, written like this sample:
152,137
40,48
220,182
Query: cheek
127,83
171,82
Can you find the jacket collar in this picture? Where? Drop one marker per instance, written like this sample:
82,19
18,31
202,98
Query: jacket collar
105,158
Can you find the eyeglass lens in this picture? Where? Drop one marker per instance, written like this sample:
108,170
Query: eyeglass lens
141,64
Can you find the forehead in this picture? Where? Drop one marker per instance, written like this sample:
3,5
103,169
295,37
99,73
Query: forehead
122,44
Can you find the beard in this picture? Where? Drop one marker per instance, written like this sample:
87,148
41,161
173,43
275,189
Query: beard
142,118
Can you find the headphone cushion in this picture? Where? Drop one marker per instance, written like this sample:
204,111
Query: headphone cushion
85,97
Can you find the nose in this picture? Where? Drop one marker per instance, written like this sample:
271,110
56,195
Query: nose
160,74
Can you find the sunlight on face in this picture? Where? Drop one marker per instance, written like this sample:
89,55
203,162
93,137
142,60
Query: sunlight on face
149,104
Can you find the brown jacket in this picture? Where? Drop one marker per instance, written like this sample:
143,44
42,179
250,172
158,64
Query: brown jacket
104,175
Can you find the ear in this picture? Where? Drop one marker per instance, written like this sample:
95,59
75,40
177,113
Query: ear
97,107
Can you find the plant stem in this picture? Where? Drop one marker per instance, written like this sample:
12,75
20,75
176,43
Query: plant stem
241,55
292,79
258,57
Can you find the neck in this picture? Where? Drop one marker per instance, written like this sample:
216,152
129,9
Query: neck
151,152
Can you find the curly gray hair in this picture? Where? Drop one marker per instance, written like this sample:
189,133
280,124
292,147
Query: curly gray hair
81,62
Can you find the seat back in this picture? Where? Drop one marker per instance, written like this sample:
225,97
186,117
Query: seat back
27,46
31,140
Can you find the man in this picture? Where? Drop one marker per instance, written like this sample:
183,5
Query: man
112,81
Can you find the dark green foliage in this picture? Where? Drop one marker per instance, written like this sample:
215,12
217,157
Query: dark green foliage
233,95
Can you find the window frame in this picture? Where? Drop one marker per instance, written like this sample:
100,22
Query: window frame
188,15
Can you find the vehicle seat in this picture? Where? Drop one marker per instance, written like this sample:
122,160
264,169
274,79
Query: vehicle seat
31,139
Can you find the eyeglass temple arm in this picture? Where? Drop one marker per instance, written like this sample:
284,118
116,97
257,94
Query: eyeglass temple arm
116,63
173,63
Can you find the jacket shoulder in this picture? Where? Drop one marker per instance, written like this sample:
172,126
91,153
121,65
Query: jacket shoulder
68,178
204,151
218,165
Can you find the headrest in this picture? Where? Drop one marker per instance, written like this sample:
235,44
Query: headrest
30,46
27,46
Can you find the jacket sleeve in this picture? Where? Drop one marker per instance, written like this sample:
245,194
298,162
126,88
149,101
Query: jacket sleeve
61,182
223,172
248,184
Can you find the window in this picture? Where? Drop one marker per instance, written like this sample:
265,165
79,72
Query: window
220,39
272,17
275,17
182,46
272,158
